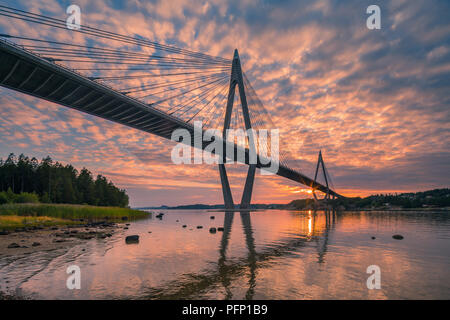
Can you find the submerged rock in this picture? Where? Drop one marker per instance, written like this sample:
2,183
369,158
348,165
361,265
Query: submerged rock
4,233
13,246
397,236
132,239
35,244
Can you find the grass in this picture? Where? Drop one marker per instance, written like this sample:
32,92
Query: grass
12,222
28,214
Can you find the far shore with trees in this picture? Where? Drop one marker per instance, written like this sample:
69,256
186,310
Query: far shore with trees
430,199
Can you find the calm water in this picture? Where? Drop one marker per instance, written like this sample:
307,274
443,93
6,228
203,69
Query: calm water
261,255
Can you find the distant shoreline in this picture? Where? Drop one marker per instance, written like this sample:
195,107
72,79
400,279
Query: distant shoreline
437,199
294,209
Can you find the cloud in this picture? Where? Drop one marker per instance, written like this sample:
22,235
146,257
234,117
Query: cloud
374,101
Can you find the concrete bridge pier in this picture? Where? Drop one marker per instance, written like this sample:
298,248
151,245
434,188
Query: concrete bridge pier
236,79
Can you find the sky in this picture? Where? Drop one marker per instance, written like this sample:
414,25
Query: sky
376,102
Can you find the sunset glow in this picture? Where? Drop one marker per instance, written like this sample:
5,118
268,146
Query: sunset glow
375,103
221,156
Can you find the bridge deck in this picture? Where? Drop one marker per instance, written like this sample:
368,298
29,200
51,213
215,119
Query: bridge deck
26,72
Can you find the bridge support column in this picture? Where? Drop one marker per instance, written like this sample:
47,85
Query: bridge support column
321,163
248,189
226,190
236,79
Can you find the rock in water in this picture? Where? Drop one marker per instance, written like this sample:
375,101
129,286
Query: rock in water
212,217
397,236
35,244
220,229
132,239
13,246
184,226
212,230
199,227
373,238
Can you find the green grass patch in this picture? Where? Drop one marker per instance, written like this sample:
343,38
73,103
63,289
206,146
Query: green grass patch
69,212
12,222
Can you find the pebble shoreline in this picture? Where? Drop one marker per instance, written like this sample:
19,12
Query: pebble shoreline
32,239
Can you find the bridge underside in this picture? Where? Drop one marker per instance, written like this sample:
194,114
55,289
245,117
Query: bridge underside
23,71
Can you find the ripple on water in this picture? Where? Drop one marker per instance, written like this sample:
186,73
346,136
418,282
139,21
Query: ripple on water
266,255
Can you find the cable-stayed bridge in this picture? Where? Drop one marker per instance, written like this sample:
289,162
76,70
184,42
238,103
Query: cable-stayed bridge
152,87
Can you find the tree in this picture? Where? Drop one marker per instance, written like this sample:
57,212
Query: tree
86,187
53,182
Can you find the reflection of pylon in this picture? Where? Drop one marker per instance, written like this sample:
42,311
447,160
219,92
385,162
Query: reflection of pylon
237,80
321,163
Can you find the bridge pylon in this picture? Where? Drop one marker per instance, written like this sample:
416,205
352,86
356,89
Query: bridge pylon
321,164
236,79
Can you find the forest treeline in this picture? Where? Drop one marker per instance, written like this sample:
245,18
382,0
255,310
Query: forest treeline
24,179
436,198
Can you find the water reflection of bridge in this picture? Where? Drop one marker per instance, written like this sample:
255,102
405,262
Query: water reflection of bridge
227,271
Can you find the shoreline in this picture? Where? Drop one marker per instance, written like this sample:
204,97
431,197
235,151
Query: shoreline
51,239
45,239
17,245
23,217
295,209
